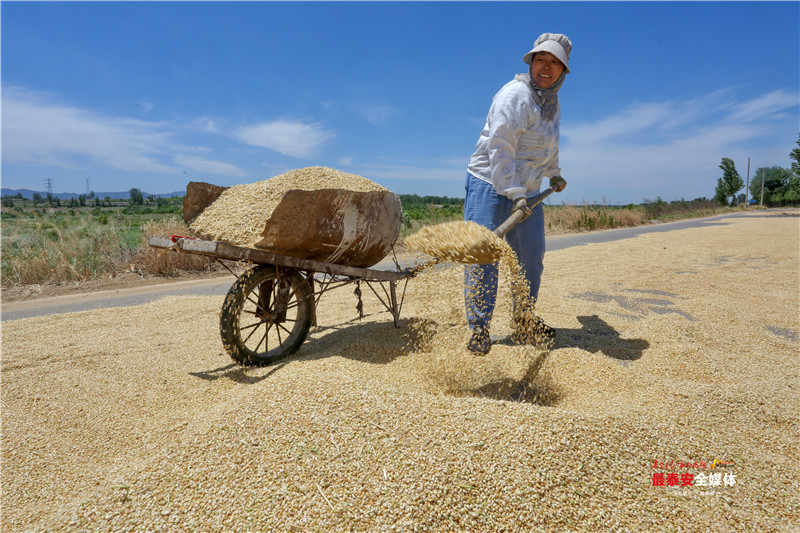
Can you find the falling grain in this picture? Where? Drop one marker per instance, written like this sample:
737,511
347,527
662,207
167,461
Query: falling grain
459,242
470,243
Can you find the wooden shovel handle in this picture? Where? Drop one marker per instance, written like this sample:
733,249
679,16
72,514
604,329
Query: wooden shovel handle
519,215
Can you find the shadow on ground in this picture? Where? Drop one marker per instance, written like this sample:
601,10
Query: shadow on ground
596,335
236,373
381,343
533,387
367,342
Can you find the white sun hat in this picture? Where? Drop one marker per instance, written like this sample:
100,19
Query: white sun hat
557,44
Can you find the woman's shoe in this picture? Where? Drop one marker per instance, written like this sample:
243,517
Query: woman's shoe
480,342
532,331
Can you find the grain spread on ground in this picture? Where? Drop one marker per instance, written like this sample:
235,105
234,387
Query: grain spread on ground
239,214
683,352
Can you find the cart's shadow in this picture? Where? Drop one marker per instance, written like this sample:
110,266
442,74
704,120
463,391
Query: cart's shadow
368,342
237,373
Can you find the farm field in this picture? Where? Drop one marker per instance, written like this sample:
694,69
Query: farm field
669,401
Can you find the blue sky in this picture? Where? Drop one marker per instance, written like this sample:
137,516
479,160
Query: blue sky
156,94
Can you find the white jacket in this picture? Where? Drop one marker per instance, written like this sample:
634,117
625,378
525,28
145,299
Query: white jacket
516,149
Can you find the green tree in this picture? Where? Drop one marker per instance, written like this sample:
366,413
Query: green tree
795,155
777,183
136,197
792,195
729,184
720,194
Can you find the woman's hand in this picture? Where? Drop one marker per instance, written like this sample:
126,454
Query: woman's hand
558,183
521,204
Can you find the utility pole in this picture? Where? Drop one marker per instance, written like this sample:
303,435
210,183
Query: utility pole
747,187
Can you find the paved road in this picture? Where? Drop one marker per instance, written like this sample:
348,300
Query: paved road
219,286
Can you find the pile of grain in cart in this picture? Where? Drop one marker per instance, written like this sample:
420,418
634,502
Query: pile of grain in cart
238,215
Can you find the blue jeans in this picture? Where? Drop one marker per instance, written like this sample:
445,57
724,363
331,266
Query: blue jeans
487,208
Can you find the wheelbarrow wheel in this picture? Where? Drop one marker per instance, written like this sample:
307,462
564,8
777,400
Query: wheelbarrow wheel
266,315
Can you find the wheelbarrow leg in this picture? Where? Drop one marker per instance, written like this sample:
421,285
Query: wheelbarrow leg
310,281
393,297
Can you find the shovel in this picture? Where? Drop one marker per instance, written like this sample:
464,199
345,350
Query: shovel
557,184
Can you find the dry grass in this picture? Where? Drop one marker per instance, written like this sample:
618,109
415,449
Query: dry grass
157,262
565,218
53,249
684,349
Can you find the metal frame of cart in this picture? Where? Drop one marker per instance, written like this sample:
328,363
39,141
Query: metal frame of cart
269,310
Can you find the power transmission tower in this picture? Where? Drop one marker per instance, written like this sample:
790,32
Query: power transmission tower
87,188
48,184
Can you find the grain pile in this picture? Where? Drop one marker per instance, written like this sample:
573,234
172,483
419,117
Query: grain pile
238,215
685,351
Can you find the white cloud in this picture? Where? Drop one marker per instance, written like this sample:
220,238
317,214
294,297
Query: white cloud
37,130
208,166
376,114
295,139
452,170
673,149
765,106
145,107
206,124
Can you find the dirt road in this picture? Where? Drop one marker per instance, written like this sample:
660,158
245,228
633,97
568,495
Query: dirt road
669,401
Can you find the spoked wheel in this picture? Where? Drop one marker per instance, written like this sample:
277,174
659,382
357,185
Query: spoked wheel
266,315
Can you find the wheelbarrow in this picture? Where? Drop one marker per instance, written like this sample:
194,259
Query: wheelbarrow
269,310
313,242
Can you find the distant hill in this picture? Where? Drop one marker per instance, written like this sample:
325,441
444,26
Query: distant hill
27,193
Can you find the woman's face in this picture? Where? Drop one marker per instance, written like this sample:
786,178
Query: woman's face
546,69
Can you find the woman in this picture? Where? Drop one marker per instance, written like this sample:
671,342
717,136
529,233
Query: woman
517,149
